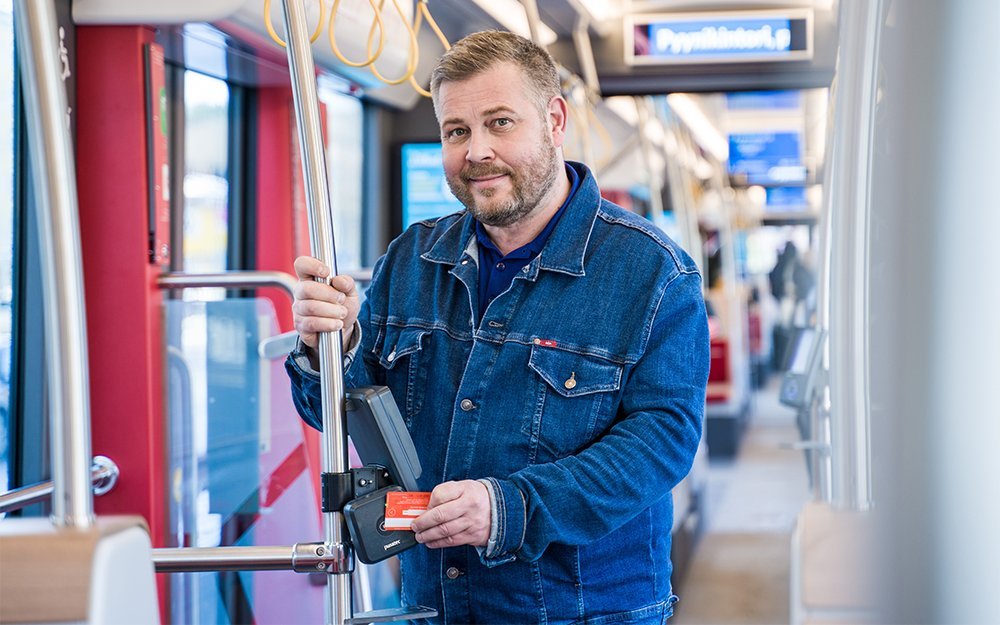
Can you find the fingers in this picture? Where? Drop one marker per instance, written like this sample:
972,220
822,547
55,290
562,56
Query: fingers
311,316
445,492
307,268
458,514
322,306
344,284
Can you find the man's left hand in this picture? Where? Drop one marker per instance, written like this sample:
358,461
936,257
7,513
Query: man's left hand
458,514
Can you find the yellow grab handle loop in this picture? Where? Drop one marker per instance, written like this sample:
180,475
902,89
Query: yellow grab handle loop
424,12
411,65
376,23
274,35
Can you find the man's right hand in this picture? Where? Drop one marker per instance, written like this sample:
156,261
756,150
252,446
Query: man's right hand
321,307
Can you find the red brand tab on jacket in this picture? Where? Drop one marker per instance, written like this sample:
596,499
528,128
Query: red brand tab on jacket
546,342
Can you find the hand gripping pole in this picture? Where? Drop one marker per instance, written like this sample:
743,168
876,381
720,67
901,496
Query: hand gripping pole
334,440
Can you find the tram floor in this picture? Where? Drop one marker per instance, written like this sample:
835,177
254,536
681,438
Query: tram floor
739,571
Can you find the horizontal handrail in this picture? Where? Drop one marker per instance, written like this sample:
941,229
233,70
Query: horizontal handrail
244,279
300,557
229,279
277,346
104,475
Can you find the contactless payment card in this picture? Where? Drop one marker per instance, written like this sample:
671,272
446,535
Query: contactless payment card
402,507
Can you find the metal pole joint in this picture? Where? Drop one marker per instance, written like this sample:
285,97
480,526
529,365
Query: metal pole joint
335,559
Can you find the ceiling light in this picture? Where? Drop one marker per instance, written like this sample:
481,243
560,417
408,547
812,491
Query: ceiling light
512,16
703,130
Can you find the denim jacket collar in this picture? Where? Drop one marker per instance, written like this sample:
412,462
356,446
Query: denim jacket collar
566,248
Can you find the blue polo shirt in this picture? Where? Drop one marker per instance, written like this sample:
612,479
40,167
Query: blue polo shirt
497,271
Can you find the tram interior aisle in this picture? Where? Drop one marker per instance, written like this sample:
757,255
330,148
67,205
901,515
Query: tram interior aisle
739,571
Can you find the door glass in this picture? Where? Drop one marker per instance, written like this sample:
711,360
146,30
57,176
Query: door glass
238,463
206,186
344,160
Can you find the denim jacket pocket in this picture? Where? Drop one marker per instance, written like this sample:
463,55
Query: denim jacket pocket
398,352
575,395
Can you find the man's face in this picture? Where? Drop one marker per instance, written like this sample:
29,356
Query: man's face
499,150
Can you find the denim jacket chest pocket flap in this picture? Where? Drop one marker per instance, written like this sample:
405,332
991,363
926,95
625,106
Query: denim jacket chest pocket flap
575,398
402,345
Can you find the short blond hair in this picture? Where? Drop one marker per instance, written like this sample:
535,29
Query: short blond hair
482,51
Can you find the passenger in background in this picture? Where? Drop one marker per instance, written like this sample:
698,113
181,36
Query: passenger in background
549,352
792,286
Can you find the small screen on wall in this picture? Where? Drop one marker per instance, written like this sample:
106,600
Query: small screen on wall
425,191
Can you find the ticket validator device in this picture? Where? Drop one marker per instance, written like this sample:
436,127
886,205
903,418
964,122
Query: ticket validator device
386,449
801,377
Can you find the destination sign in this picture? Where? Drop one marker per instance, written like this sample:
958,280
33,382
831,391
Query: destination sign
729,37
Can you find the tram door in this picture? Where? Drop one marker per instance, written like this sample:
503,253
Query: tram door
242,467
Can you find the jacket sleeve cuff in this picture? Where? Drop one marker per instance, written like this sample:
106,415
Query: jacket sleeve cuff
507,523
300,355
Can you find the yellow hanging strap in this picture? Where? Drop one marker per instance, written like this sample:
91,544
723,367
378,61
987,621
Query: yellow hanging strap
274,35
411,64
424,13
376,24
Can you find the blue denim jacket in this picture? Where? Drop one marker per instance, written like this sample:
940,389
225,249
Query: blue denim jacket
579,396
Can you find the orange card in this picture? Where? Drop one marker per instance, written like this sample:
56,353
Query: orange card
402,507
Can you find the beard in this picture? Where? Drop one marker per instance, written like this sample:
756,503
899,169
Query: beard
528,187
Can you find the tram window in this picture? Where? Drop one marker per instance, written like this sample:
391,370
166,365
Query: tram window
6,229
206,184
344,157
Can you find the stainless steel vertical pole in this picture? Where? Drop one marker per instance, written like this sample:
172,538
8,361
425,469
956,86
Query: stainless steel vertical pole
334,439
54,178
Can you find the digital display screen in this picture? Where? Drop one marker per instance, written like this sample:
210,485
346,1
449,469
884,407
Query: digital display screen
425,190
718,37
767,158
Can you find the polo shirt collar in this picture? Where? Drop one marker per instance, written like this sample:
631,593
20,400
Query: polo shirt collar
566,247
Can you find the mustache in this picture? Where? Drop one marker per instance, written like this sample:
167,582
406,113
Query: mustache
484,171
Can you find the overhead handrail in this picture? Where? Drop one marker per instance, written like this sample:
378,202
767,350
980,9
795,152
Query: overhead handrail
103,475
54,178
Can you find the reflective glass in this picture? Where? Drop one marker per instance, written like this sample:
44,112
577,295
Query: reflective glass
6,227
344,160
206,186
238,462
243,468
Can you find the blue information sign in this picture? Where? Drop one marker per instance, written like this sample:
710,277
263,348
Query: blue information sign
719,37
786,199
425,190
764,100
767,158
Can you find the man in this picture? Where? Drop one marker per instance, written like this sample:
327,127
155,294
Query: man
549,353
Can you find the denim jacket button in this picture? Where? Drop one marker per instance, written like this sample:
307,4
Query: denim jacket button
467,405
452,572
